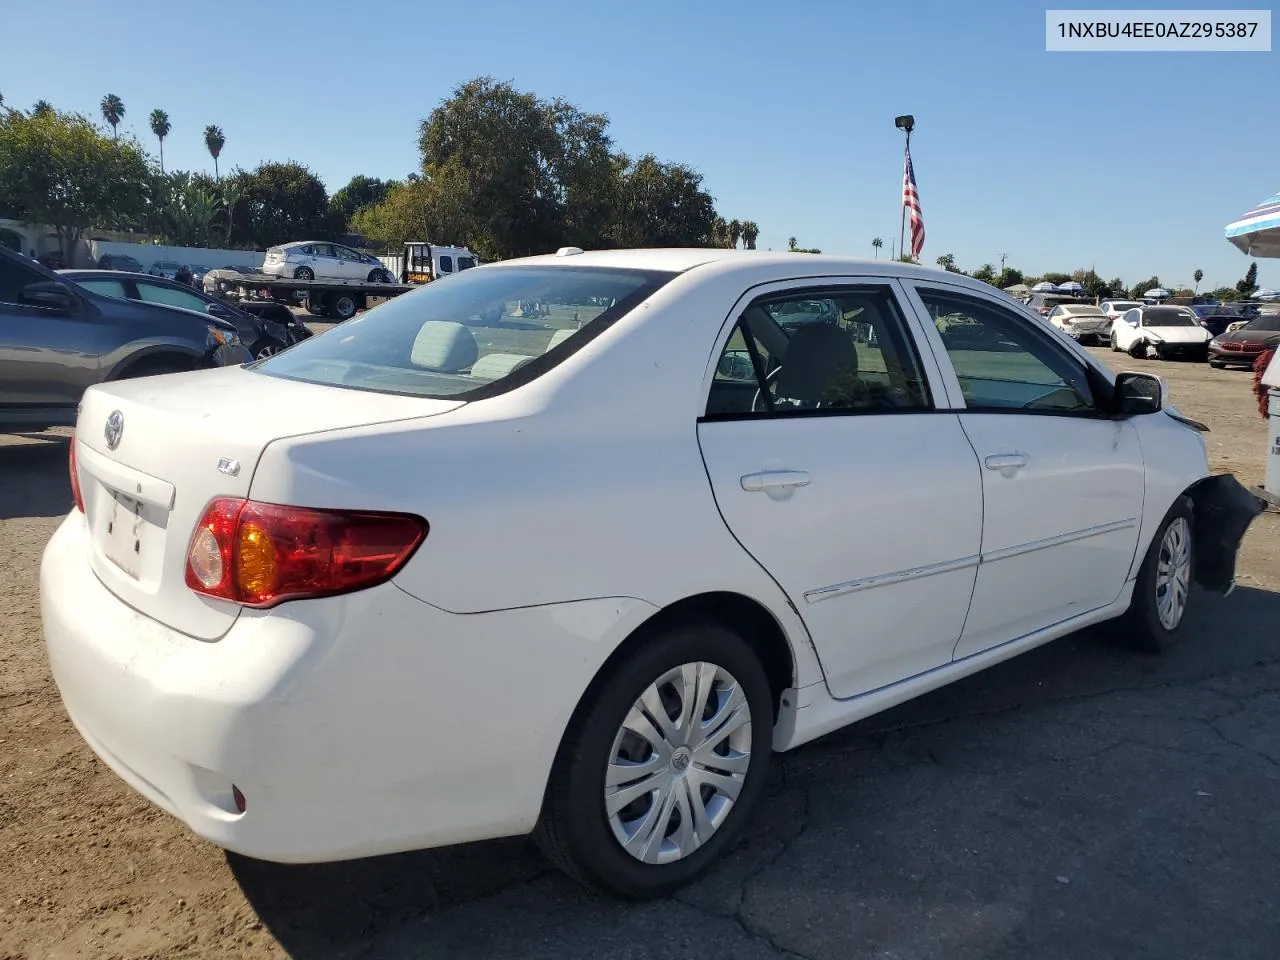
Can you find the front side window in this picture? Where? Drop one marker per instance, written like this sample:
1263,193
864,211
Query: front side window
1002,361
466,263
346,254
155,293
107,288
322,250
470,338
843,350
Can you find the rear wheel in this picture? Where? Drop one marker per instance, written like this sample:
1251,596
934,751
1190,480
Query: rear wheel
1162,592
342,306
304,273
266,348
1115,347
662,766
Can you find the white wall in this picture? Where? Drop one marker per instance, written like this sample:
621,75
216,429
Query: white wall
207,257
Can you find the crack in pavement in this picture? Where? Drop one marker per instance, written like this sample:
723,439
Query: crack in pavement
738,914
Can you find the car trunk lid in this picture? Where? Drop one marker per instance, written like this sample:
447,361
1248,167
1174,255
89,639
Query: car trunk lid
152,452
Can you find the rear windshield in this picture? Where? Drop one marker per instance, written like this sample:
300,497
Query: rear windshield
1167,317
481,333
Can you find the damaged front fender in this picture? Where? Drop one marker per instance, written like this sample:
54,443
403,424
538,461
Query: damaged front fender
1223,509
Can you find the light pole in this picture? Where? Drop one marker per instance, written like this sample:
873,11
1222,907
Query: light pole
907,123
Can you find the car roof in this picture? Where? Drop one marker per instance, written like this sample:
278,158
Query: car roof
747,262
122,274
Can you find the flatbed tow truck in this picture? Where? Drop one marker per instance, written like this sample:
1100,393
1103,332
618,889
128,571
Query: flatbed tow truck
341,299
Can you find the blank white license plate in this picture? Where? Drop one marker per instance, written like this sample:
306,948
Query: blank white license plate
123,546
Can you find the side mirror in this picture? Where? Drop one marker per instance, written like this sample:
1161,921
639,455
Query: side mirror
49,294
1139,393
216,310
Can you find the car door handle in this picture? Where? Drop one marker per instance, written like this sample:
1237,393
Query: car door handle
774,480
1006,461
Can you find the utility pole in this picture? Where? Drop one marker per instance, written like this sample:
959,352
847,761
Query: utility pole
1003,258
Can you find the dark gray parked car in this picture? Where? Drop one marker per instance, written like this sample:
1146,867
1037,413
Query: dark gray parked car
265,328
57,339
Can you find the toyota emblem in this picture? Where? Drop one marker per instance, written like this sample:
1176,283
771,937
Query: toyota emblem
114,429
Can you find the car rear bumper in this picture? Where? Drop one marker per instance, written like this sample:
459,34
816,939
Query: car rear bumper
353,726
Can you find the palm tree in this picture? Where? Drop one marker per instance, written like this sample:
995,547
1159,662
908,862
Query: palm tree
160,127
215,141
947,262
113,112
719,232
231,195
750,231
791,243
1198,275
876,244
735,233
41,108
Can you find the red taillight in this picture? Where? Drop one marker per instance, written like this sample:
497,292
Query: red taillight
1066,321
261,554
74,470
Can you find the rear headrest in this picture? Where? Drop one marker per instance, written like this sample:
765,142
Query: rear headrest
816,354
444,347
494,365
559,337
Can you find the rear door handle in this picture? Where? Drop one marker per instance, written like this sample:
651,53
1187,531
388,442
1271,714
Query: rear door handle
774,480
1006,461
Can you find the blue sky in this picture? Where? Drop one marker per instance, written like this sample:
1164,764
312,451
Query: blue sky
1130,162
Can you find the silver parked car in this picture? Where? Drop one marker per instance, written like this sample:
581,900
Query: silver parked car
319,260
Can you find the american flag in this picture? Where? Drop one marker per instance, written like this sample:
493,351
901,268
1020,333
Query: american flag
911,200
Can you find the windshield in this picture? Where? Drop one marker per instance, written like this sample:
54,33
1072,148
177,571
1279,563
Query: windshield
1267,323
1167,317
480,333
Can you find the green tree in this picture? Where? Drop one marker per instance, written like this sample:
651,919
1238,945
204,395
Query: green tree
279,202
986,273
523,174
229,194
735,233
160,126
409,211
1139,290
113,112
1056,278
1197,276
1248,284
1009,276
948,263
42,108
876,244
718,236
791,243
214,141
1094,285
750,233
662,205
1117,287
360,192
59,169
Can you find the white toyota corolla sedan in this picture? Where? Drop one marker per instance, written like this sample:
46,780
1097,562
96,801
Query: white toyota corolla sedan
479,575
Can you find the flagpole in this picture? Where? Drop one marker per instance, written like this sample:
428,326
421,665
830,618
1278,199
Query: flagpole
902,232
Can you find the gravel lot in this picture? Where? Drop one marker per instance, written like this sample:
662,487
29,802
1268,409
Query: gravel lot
1078,801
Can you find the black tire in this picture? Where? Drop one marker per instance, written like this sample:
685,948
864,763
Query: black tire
1138,349
265,348
1217,364
380,276
1115,347
154,367
574,830
305,274
1141,625
342,306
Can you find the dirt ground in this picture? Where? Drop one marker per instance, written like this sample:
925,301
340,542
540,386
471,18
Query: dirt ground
90,870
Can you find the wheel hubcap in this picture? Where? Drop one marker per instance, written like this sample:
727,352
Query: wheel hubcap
1173,573
267,352
678,763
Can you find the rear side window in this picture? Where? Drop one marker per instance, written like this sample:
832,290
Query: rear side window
482,333
155,293
446,264
108,288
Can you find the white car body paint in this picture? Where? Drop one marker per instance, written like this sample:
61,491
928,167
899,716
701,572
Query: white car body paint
562,518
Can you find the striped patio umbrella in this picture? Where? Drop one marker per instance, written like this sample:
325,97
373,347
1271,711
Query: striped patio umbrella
1257,233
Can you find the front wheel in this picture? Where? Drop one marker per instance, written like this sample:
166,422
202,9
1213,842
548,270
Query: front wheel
662,766
1217,364
266,348
1115,347
1162,592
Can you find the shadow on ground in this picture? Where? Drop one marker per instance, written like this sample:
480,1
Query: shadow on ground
34,481
1079,800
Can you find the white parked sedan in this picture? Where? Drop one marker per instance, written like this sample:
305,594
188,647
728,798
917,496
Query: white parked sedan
1080,321
479,575
1165,332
